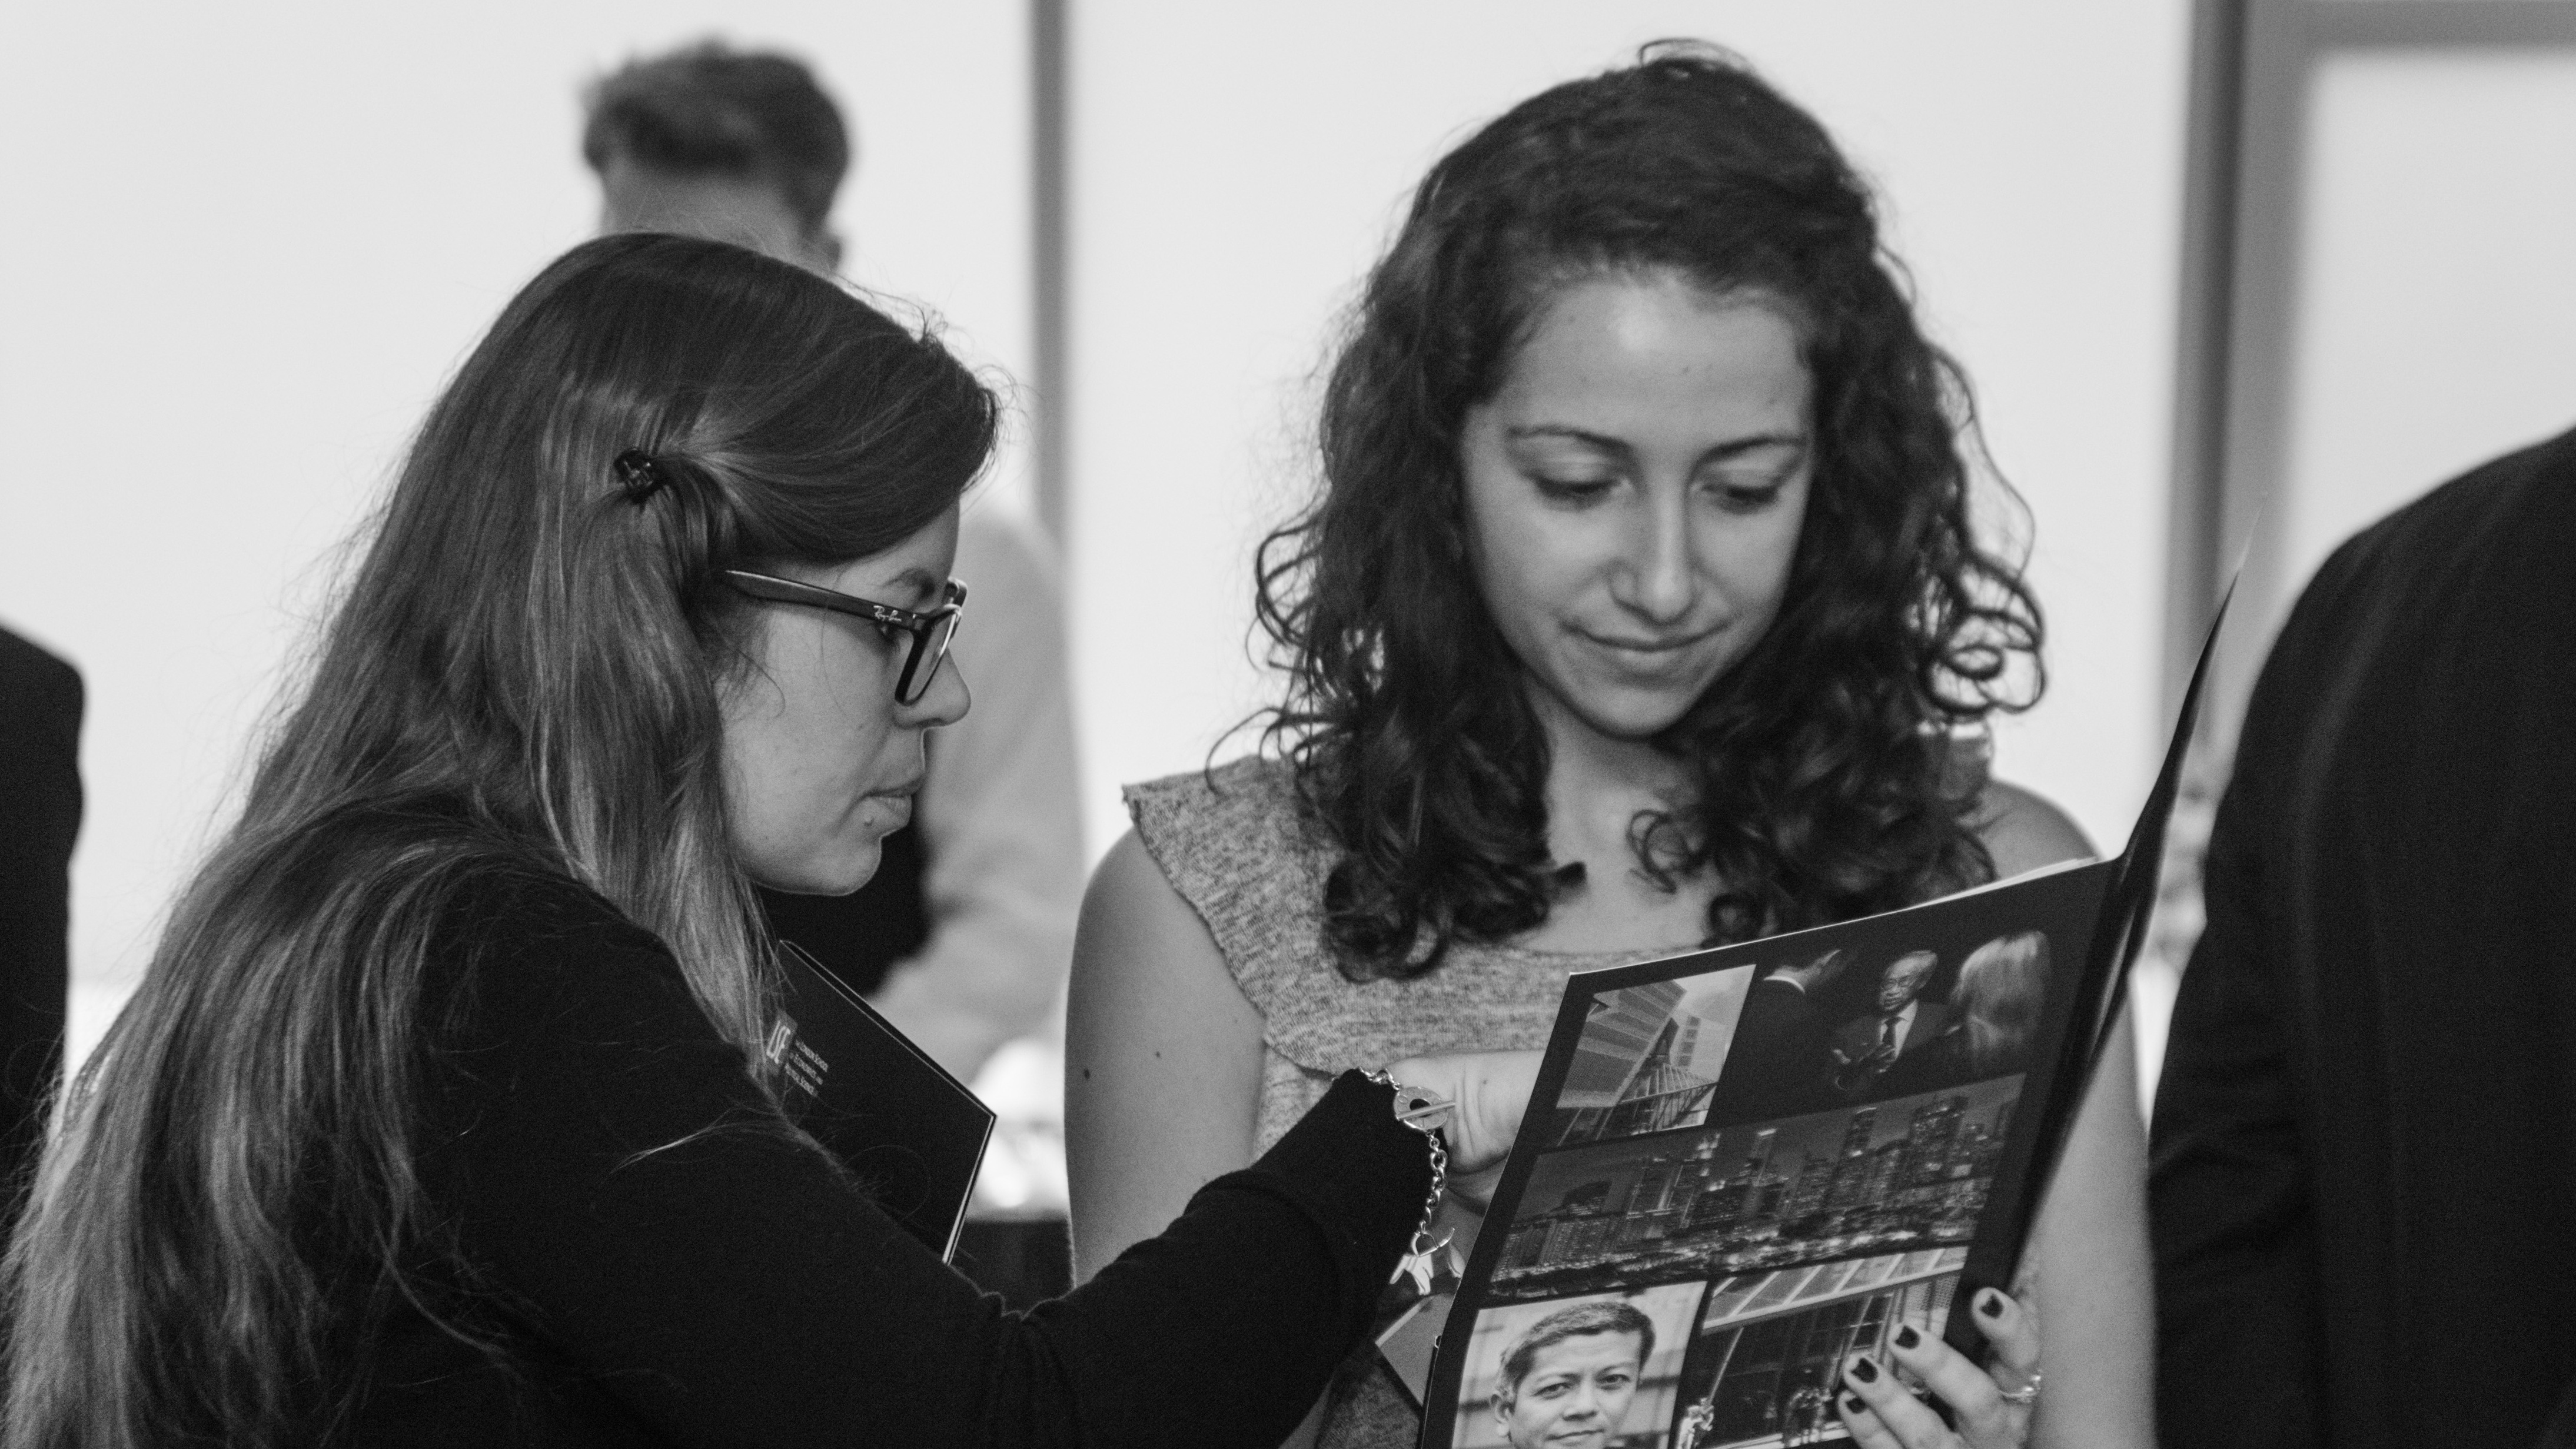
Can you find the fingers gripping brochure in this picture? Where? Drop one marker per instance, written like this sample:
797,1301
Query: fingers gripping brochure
913,1135
1741,1165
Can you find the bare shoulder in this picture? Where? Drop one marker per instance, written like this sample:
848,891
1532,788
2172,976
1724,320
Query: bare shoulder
1137,934
2024,830
1128,889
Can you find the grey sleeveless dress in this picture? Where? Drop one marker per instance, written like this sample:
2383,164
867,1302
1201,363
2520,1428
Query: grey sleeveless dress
1231,842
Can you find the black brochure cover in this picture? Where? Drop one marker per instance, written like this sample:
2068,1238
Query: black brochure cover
910,1132
1744,1164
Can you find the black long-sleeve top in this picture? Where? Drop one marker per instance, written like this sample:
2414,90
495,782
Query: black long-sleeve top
2364,1185
666,1263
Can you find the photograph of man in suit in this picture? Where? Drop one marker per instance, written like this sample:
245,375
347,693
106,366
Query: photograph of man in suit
1898,1021
1781,1061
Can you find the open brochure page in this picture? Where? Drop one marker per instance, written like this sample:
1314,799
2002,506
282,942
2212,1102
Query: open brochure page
1743,1164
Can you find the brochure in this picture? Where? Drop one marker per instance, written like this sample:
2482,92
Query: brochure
910,1132
1741,1165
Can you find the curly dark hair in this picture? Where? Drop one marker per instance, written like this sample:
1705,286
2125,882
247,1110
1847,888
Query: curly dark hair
1823,762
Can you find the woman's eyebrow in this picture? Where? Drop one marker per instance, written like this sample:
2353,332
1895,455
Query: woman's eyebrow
1563,432
919,588
1731,448
1738,447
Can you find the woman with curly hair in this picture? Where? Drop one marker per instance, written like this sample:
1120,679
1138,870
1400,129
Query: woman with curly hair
1640,611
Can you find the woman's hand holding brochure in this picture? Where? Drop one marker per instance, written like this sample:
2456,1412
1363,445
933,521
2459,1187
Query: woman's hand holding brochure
1490,1090
1992,1406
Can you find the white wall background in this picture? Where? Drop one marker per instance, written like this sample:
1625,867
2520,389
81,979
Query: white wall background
2436,306
243,246
1238,167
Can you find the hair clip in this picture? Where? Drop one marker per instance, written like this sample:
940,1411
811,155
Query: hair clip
640,474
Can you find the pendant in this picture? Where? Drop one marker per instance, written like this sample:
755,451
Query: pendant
1435,1264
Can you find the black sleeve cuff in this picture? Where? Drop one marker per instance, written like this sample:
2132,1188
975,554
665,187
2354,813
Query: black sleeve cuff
1359,1173
1263,1287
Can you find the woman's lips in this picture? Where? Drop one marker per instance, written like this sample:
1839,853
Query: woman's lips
1648,655
897,801
904,791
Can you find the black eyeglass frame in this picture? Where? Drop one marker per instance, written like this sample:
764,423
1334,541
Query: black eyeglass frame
941,623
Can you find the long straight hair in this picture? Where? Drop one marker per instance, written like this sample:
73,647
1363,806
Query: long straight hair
525,676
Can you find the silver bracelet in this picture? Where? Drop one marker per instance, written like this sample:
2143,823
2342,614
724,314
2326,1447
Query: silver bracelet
1425,1112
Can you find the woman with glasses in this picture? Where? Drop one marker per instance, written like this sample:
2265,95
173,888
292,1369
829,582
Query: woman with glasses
439,1116
1640,610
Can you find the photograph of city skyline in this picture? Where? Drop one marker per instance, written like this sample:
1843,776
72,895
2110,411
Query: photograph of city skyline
1887,1177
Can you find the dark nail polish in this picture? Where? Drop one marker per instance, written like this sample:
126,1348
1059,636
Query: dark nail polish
1906,1337
1864,1370
1853,1403
1991,1303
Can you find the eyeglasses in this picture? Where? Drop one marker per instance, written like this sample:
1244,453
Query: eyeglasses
931,631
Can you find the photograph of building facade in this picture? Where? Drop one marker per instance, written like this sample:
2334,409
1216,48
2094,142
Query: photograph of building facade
1765,1359
1649,1057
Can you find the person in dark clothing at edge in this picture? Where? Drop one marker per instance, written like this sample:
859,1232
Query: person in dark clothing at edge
2364,1179
40,811
440,1115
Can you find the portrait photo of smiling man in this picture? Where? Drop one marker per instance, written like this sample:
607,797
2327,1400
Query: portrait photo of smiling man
1568,1381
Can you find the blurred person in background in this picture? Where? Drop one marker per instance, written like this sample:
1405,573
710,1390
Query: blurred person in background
2364,1182
40,811
1640,611
442,1115
962,939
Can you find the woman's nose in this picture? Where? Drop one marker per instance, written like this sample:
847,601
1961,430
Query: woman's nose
1660,575
945,702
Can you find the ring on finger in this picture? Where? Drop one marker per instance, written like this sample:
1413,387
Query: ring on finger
2027,1394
